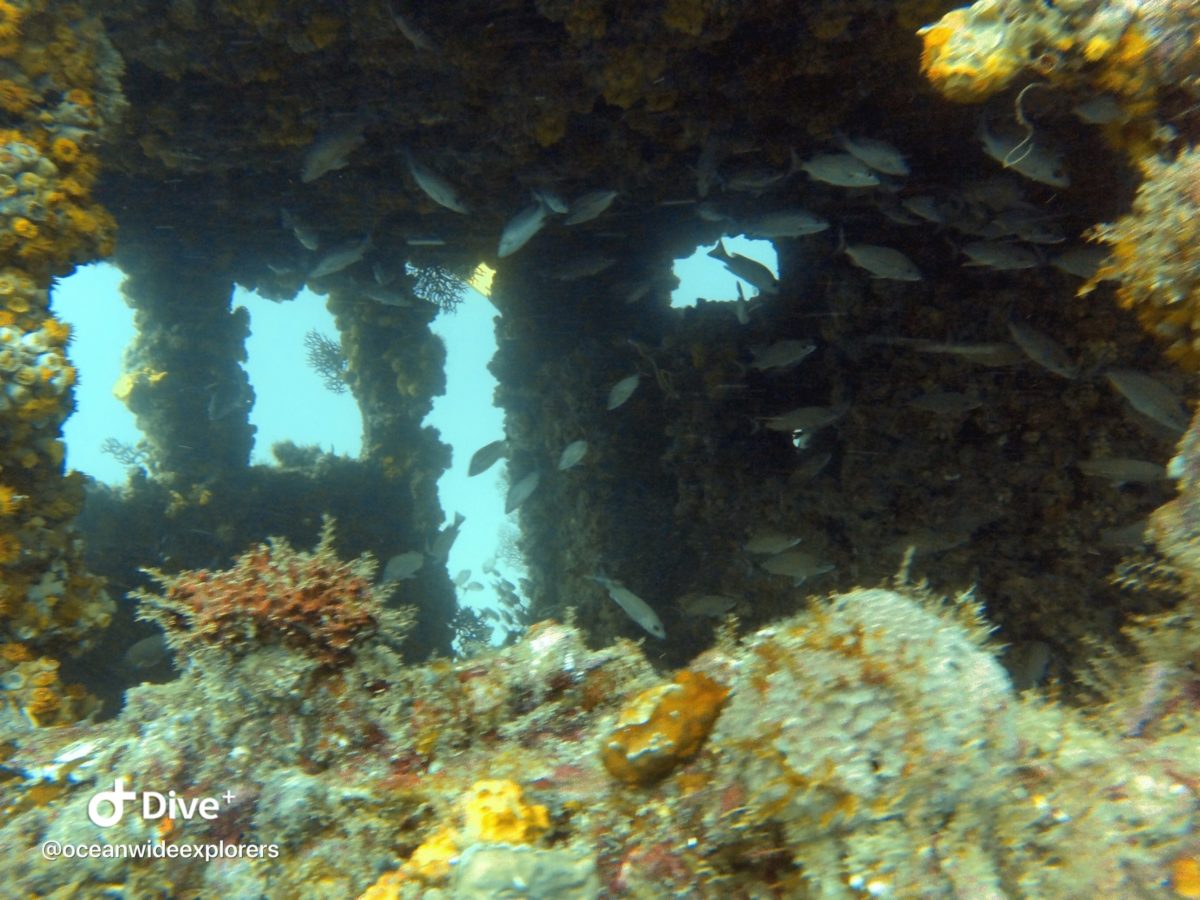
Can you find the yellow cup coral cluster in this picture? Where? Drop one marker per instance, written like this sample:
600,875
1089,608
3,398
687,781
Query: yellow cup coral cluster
491,811
1155,255
30,689
495,810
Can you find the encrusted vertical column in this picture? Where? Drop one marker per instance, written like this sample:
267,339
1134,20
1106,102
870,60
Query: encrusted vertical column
182,377
59,89
396,366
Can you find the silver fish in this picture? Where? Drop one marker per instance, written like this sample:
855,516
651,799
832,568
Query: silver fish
341,258
1151,398
1000,255
1122,471
925,207
552,200
572,455
582,267
784,223
782,354
749,270
590,206
741,308
841,170
436,188
879,155
997,354
809,419
521,491
486,456
331,149
797,565
414,35
757,179
307,235
473,586
710,606
383,273
635,607
403,566
440,550
146,653
769,543
462,577
521,228
883,262
385,295
1082,261
1025,156
1102,109
1043,349
623,390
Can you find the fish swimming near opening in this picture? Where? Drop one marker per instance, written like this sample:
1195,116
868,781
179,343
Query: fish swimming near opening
633,605
572,455
622,391
486,457
440,549
879,155
331,150
435,187
590,206
883,262
403,566
749,270
782,354
1151,398
341,257
1025,156
521,491
840,170
521,228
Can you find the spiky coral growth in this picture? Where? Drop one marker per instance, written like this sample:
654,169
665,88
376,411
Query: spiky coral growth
312,603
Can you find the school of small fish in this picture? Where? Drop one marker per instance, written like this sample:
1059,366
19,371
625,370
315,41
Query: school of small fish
989,224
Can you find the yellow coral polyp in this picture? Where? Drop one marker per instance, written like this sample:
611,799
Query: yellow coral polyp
13,652
10,549
64,150
10,22
495,810
15,98
24,228
9,500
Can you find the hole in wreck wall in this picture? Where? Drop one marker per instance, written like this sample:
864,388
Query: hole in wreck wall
702,276
291,400
467,419
101,328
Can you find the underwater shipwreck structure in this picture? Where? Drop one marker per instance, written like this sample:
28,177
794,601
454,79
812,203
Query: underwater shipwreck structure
917,523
